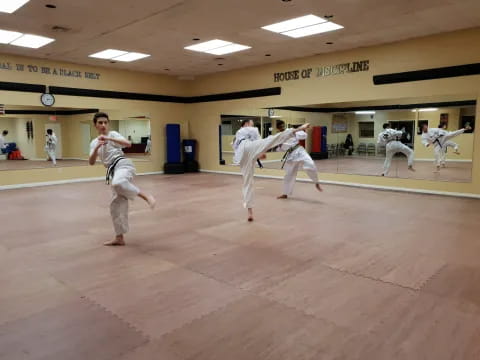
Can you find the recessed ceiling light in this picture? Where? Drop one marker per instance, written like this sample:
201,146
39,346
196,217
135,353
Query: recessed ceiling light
217,47
118,55
329,43
365,112
51,6
220,64
295,23
166,69
268,54
108,54
208,45
32,41
314,29
7,37
286,0
131,56
328,16
425,109
228,49
195,39
10,6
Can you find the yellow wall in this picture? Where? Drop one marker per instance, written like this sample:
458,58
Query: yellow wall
201,120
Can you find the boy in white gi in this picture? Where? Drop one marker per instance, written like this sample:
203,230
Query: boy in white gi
295,157
438,138
249,147
448,144
391,139
51,146
120,171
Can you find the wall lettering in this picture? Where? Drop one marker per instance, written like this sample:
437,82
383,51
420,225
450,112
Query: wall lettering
338,69
46,70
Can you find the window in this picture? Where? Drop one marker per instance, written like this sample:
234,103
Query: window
366,129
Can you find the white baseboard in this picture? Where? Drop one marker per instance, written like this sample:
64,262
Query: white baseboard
61,182
365,186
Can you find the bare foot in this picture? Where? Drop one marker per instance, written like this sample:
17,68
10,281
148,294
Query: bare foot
443,165
118,241
319,188
411,168
282,197
250,214
456,152
151,201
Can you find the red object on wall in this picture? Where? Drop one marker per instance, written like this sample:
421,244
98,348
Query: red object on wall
317,139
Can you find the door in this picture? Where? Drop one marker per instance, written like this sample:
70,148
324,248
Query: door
57,129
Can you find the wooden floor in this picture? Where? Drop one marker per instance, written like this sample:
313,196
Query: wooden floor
454,171
344,274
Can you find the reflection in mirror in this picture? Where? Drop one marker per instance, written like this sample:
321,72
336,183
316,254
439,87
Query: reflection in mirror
61,137
350,138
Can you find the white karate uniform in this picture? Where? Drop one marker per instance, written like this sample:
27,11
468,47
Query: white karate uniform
2,142
389,138
51,147
438,138
294,160
248,146
148,148
122,187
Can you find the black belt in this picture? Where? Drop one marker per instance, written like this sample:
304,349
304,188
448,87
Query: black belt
260,165
111,169
288,152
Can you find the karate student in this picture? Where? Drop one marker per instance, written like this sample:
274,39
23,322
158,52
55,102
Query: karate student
448,144
438,137
51,146
249,147
391,139
3,142
148,147
120,170
295,157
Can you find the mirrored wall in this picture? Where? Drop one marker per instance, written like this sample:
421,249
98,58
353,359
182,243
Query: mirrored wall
27,134
349,138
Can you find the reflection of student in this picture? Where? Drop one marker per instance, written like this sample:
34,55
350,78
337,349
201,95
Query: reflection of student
249,147
120,170
390,138
349,144
51,146
295,157
148,147
448,144
5,147
438,137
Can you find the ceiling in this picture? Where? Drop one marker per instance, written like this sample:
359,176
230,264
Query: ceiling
163,28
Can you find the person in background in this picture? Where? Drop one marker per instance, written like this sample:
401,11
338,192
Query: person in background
349,144
148,147
6,148
51,146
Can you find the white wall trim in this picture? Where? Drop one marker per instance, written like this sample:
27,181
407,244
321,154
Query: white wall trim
61,182
365,186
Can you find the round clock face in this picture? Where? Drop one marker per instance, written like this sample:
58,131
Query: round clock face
47,99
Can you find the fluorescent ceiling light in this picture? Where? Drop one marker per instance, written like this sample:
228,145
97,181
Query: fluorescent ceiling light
228,49
7,37
217,47
208,45
108,54
425,109
296,23
10,6
32,41
365,112
275,116
132,56
312,30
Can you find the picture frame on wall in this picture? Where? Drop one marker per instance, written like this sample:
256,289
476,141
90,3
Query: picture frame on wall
444,119
339,125
420,125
